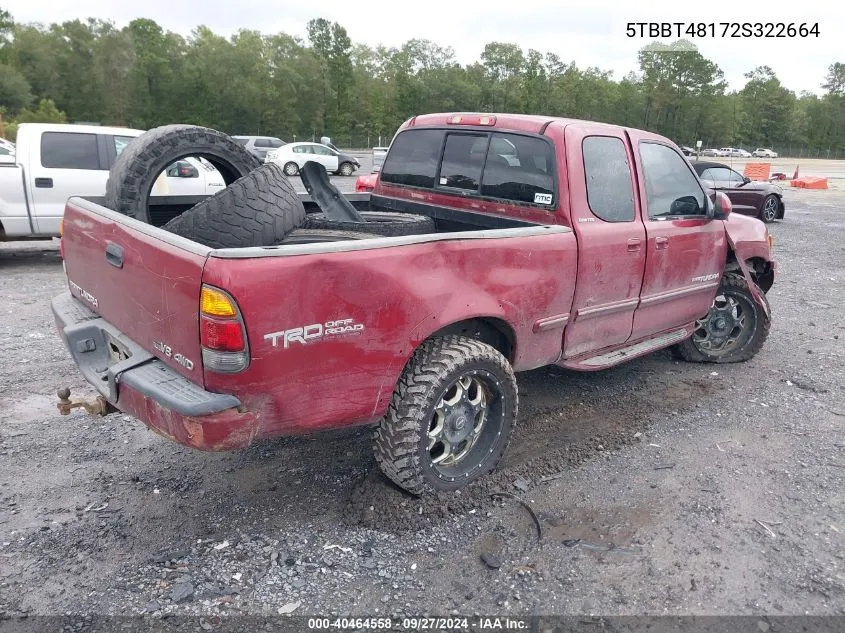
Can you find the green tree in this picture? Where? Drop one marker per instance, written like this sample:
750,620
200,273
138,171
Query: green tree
15,91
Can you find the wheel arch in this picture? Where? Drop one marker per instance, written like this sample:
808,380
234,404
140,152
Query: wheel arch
761,270
494,331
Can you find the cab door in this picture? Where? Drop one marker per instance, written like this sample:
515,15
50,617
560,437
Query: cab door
604,208
64,164
685,250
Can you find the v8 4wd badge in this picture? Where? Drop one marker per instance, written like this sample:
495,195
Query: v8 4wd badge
314,332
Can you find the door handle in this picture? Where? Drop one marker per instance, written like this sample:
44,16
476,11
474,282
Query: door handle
661,242
44,183
114,255
634,244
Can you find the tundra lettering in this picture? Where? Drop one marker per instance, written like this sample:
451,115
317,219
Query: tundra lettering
704,278
83,293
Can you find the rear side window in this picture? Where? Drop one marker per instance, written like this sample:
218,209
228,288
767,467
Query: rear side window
412,159
519,169
241,141
262,142
69,150
461,167
610,192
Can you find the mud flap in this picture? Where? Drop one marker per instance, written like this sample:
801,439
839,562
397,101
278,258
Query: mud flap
326,195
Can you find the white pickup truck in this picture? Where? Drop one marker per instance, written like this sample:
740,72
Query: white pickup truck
53,162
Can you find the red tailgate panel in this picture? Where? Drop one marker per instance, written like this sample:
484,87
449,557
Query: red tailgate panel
153,297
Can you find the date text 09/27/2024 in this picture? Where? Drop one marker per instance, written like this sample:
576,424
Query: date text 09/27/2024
723,29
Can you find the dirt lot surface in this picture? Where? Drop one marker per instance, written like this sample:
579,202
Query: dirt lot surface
656,487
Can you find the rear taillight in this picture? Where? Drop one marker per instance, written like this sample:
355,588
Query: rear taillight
61,238
222,334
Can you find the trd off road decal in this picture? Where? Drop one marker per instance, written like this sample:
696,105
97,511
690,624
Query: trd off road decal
314,333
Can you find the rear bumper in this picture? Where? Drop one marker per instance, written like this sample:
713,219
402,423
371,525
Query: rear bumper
137,383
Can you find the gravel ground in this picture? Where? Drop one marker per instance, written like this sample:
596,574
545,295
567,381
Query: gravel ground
656,487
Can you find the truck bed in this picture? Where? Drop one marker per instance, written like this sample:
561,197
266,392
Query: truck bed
367,305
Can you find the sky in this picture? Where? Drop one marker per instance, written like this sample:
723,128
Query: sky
589,32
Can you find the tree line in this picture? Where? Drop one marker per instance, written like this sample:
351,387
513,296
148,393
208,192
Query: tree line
252,83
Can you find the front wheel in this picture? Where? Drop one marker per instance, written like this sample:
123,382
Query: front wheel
769,210
734,329
346,169
291,169
450,418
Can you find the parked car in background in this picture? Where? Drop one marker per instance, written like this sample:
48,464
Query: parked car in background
711,152
294,155
687,151
735,152
378,156
760,199
53,162
260,145
367,182
762,152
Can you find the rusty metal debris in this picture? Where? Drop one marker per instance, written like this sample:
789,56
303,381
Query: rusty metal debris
97,406
527,507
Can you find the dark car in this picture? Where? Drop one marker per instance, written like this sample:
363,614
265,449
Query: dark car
760,199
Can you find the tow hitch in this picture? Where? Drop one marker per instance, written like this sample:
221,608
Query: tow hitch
97,406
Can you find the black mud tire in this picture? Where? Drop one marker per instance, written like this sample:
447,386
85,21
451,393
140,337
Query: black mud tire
382,222
733,285
346,169
400,442
136,169
770,209
312,236
260,209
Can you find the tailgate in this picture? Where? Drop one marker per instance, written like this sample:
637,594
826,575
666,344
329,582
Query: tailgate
142,280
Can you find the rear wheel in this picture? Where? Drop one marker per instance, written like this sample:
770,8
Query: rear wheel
291,169
734,329
381,222
450,418
770,208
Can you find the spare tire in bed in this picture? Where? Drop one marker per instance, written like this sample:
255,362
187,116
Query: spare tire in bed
259,209
313,236
381,222
137,167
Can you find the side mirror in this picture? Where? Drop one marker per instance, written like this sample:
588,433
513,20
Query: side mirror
723,207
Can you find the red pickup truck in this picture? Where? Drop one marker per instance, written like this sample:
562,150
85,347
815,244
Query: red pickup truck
557,242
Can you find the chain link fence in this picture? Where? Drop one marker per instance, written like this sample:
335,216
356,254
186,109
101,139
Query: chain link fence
797,151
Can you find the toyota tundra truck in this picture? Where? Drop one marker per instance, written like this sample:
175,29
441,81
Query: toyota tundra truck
556,242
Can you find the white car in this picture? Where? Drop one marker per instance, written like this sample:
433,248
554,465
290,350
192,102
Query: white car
763,152
735,152
294,155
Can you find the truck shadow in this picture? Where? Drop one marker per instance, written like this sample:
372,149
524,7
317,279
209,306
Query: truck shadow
29,256
565,418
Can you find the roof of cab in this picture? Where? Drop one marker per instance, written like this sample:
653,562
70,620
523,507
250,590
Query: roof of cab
531,123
